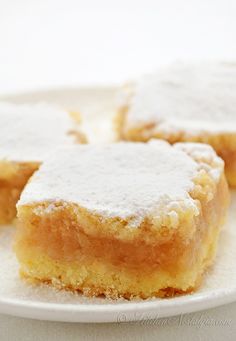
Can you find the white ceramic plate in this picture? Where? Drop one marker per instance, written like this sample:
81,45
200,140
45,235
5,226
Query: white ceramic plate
45,303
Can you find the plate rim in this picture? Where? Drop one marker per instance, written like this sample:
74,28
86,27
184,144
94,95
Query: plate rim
129,311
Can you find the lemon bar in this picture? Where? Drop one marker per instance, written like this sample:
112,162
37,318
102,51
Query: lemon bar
27,133
184,102
123,220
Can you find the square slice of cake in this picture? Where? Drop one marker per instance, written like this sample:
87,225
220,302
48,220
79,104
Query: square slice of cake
123,220
27,134
184,102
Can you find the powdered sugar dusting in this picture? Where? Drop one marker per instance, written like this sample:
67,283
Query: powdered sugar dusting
205,156
28,132
199,97
127,180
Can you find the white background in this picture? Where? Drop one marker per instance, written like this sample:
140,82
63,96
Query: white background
70,42
49,43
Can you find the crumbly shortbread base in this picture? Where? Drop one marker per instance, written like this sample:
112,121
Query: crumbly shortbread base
96,277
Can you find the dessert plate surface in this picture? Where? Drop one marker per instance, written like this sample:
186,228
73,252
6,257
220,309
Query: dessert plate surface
42,302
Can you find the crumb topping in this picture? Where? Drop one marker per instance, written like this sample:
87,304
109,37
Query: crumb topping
125,180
